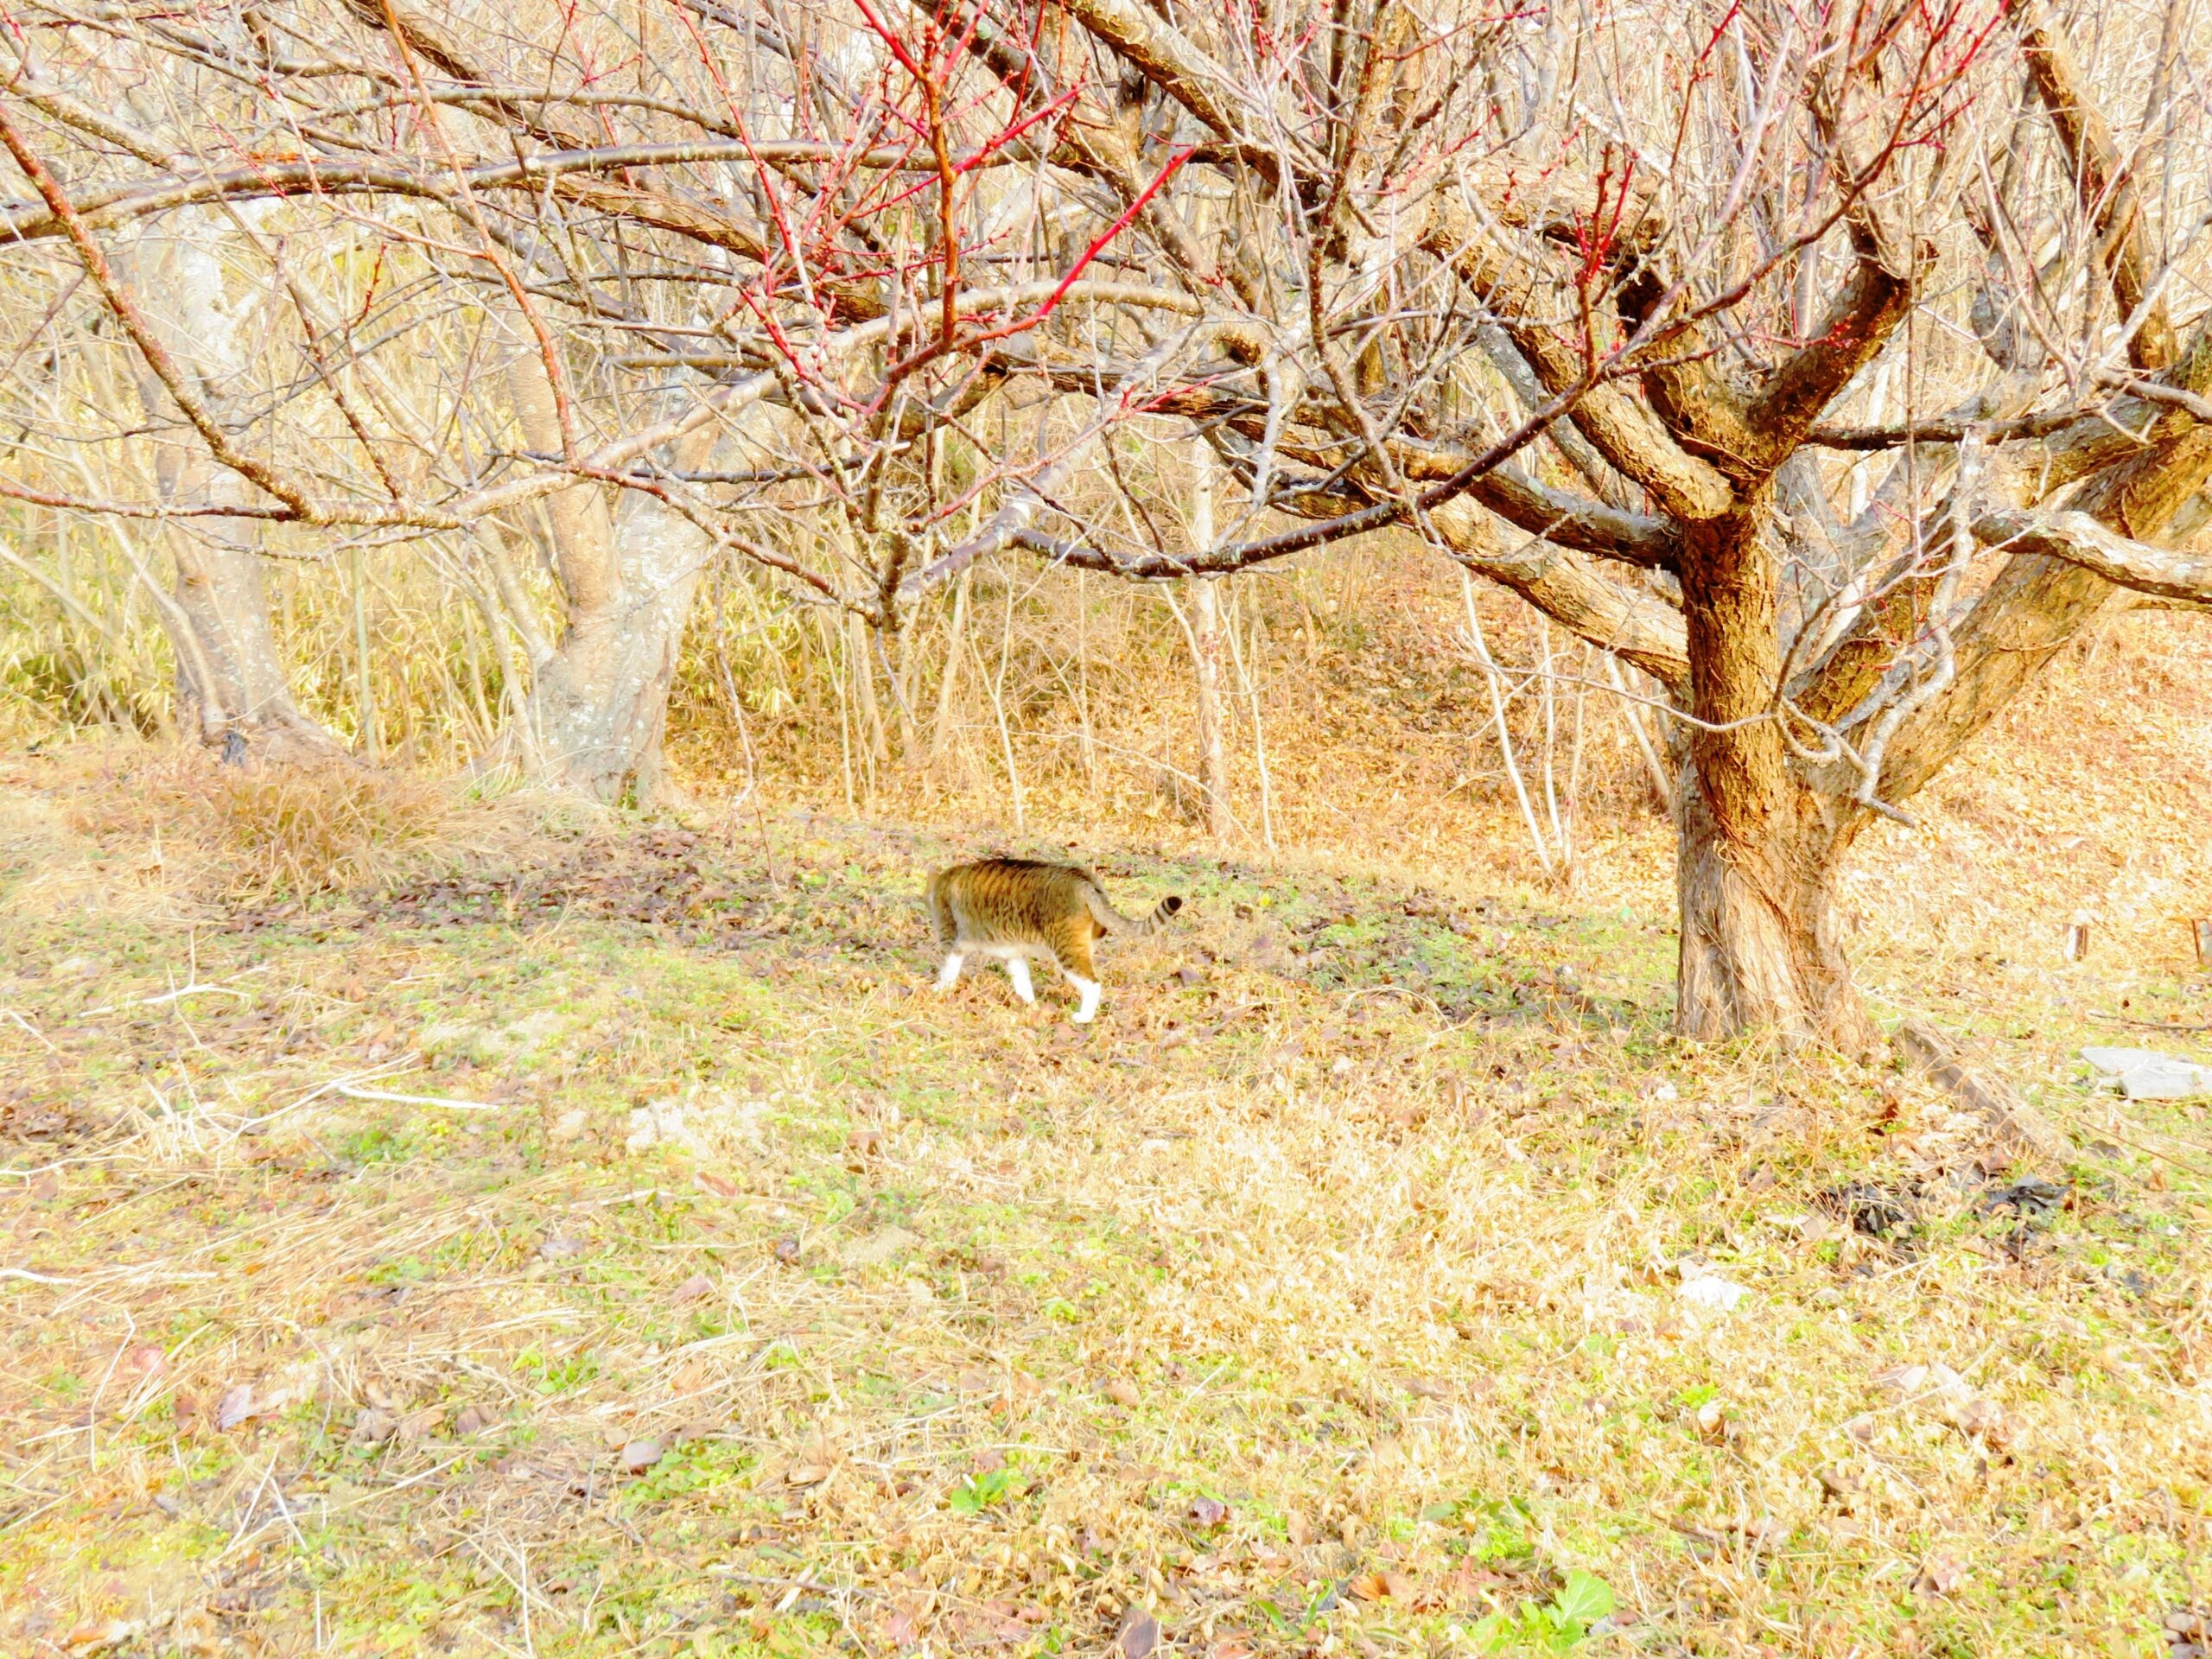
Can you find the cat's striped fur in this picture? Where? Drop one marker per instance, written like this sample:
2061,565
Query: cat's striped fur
1013,909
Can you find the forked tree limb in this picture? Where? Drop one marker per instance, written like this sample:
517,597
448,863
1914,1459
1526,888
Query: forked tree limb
2159,572
2103,180
2038,603
1175,64
1858,326
1620,425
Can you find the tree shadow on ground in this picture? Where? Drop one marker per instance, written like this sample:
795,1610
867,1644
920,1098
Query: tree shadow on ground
1487,960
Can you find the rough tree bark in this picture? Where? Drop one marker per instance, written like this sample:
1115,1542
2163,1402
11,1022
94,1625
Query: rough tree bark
232,686
627,571
1757,851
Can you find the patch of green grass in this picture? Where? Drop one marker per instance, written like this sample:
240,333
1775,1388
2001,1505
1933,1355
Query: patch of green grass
557,1374
375,1145
1559,1625
980,1491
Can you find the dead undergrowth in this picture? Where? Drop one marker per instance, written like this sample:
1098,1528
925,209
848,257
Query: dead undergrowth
310,830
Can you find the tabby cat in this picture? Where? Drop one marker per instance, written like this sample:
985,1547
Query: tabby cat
1016,908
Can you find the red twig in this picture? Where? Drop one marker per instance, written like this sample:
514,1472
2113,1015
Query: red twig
1097,247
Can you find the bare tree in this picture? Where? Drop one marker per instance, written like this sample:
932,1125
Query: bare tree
1830,365
1694,254
746,299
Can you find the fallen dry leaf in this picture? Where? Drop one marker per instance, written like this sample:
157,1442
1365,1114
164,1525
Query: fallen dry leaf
1985,1418
1943,1393
1939,1576
374,1426
1923,1382
1385,1586
100,1634
1140,1634
235,1407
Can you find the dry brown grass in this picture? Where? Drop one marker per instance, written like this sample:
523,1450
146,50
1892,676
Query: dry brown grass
1373,721
124,826
1372,1228
307,829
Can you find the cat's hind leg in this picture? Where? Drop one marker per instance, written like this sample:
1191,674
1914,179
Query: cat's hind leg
1071,956
1089,991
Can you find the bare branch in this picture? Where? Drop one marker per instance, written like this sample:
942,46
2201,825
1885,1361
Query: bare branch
2159,572
2102,179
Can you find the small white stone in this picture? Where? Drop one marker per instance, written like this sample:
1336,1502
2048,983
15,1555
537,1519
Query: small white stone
2146,1074
1712,1292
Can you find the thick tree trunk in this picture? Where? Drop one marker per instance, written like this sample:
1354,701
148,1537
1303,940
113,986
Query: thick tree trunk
1757,851
230,682
1759,945
232,691
599,702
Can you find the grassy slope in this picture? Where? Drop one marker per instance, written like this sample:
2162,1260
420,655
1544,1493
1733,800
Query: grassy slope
1327,1295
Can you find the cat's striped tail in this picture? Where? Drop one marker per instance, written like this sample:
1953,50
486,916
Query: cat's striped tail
1114,922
